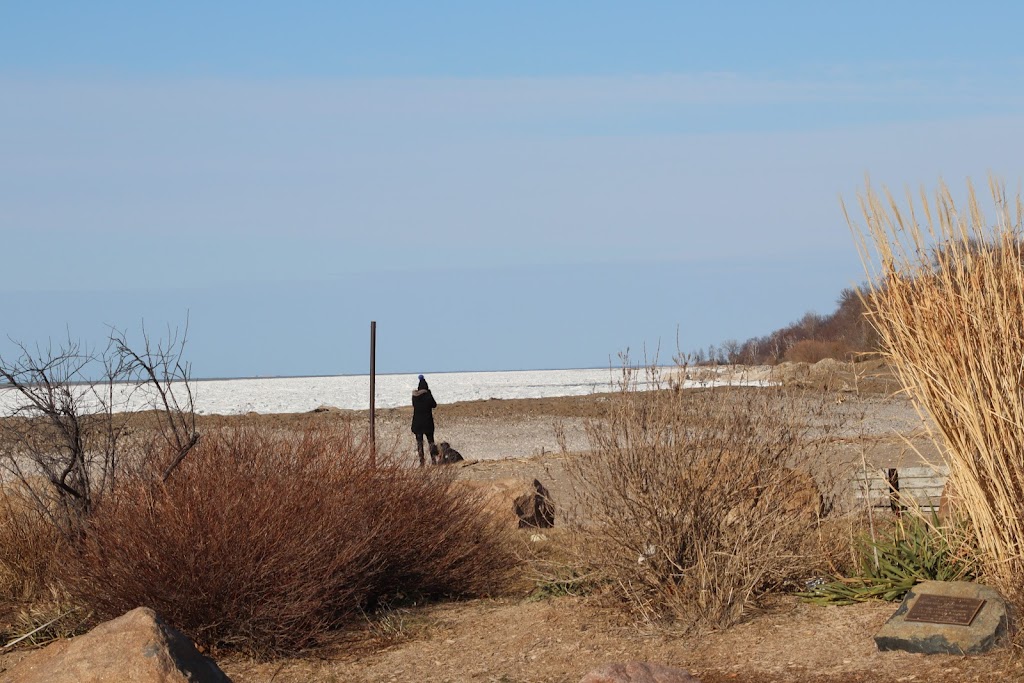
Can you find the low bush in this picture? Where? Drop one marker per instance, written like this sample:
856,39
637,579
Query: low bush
696,502
265,540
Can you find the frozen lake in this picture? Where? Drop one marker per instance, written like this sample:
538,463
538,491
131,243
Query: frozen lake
302,394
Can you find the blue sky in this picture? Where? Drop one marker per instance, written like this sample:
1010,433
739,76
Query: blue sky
499,185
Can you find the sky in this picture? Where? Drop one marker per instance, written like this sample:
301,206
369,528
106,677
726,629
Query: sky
499,185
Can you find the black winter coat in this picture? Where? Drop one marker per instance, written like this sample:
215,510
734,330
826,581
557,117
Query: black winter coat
423,405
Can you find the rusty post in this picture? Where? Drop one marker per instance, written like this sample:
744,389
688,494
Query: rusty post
373,392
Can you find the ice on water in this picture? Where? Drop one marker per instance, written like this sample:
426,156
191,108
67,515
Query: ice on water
302,394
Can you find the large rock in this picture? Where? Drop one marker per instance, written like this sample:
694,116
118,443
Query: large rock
137,646
791,373
829,373
638,672
988,629
535,508
828,367
522,502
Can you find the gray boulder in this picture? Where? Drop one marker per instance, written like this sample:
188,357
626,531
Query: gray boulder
988,629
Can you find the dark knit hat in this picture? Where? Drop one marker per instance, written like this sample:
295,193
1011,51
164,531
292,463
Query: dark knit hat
422,384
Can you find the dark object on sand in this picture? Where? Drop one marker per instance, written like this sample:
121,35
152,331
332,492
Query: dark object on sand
535,508
448,454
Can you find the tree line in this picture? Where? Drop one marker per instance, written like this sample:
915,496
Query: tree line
842,334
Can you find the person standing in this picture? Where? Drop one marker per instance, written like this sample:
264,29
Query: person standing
423,405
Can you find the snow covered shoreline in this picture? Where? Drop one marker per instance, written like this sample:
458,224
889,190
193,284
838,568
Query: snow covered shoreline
351,392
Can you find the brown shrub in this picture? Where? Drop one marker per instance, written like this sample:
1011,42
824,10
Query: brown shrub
813,350
700,501
267,539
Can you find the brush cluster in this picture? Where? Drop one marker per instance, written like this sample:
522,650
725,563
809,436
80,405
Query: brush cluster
266,540
694,503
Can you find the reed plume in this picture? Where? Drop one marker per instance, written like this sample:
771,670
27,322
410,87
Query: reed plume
946,295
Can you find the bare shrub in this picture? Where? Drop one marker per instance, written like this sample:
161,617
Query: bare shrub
697,502
266,539
947,299
66,416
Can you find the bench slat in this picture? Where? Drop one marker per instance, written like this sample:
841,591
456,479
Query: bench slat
918,487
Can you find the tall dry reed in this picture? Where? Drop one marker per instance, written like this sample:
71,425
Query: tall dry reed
947,298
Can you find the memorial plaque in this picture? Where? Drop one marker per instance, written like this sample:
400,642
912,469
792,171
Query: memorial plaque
947,617
944,609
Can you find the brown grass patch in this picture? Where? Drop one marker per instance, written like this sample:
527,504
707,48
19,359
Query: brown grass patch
29,547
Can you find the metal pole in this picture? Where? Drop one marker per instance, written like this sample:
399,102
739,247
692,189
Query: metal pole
373,392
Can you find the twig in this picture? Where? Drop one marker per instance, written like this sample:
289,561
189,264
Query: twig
38,629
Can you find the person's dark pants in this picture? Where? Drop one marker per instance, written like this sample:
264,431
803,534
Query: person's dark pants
419,447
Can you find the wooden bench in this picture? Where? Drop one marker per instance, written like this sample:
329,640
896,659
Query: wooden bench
898,488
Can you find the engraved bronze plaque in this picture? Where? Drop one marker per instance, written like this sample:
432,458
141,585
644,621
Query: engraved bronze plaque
944,609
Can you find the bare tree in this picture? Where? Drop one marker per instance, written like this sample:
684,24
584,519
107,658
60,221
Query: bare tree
750,352
165,377
731,351
712,354
67,415
781,341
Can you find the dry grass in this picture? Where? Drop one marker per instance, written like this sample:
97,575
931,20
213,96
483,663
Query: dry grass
267,540
697,502
947,298
29,547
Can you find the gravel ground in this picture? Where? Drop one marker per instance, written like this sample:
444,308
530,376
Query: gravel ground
486,439
880,426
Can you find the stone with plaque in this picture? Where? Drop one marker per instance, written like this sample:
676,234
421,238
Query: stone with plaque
947,617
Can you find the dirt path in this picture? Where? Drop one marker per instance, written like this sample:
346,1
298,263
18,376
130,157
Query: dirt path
559,640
